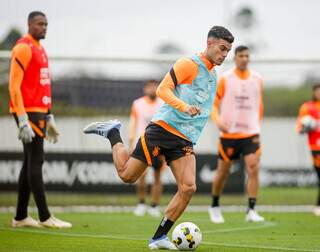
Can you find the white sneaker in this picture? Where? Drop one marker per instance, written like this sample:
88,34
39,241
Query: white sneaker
162,243
253,216
102,128
316,211
26,222
215,215
154,212
54,222
140,210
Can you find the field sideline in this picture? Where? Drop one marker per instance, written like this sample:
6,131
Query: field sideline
267,196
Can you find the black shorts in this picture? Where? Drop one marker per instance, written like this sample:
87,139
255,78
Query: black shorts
232,149
158,141
37,122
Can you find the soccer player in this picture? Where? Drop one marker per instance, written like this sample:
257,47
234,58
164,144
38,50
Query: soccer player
30,103
239,98
142,111
188,91
312,109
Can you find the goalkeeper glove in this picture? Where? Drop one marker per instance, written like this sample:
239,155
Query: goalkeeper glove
51,129
25,131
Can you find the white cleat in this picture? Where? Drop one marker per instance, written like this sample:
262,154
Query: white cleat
26,222
253,216
102,128
54,222
316,211
140,210
154,212
162,243
216,215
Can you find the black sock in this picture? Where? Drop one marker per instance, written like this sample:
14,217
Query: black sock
163,228
215,201
114,137
252,203
154,204
142,201
318,203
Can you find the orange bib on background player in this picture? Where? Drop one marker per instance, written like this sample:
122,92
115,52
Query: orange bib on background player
314,136
240,106
36,83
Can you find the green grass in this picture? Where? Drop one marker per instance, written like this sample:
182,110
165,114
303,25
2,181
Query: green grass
267,196
125,232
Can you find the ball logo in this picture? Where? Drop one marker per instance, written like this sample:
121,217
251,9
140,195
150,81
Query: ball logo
177,241
189,237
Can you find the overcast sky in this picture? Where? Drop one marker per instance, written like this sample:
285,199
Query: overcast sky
124,27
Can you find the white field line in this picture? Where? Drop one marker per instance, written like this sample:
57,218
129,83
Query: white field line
113,237
263,225
127,209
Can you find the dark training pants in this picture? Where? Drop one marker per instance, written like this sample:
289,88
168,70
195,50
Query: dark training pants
30,178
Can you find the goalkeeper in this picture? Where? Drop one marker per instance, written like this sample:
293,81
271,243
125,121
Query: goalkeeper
30,103
308,122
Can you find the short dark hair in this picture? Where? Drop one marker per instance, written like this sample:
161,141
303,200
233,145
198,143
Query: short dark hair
34,14
316,86
151,82
219,32
240,48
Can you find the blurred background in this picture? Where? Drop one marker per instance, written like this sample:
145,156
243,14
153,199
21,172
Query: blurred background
100,56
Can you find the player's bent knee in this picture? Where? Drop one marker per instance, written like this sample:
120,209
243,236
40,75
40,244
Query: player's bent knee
188,190
253,171
128,179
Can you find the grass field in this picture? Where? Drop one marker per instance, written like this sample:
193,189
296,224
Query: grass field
125,232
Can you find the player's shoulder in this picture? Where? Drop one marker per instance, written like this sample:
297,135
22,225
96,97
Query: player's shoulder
186,63
21,48
227,73
306,105
255,74
139,100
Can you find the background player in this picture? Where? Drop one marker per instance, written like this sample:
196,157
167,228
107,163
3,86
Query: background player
312,109
142,111
188,91
239,98
30,103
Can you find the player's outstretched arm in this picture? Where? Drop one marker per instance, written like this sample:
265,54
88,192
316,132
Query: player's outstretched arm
183,71
215,110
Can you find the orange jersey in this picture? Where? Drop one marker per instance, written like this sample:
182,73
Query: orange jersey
29,84
311,108
184,71
238,103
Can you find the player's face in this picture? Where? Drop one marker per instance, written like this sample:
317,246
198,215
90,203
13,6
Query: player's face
316,94
241,60
217,50
151,91
38,27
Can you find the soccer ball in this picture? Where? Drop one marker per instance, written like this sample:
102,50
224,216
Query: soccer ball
308,123
186,236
